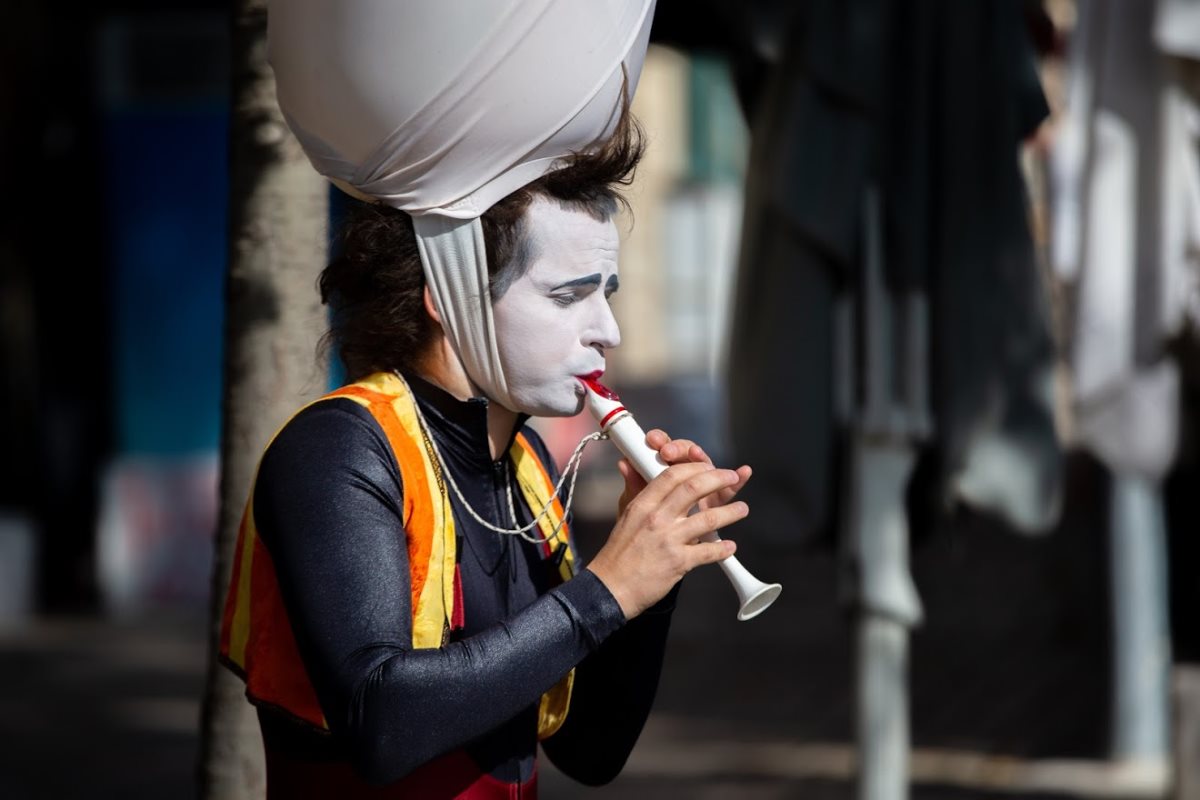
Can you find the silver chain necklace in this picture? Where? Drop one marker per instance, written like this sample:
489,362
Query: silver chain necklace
571,469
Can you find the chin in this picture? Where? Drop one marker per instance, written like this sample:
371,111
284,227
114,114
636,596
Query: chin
560,410
564,406
575,409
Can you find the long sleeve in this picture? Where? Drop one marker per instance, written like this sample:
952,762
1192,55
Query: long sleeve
329,508
614,691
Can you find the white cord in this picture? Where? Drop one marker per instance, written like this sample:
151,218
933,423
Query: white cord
571,469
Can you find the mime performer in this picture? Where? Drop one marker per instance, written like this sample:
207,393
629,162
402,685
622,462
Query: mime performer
405,606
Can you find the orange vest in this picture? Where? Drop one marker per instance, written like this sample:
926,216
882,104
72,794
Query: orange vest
256,636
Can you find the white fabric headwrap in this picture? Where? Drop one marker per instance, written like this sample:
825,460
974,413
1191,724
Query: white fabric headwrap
455,260
441,108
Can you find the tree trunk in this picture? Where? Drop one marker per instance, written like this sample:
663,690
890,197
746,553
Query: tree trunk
278,207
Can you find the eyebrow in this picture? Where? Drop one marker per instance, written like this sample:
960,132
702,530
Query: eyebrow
587,280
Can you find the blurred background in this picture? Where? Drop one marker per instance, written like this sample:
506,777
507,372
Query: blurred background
932,269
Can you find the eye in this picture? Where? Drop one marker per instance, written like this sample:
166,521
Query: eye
575,294
565,300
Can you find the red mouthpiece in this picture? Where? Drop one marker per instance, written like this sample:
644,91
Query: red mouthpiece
592,382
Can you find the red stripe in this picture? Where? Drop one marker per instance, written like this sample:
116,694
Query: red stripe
452,775
457,615
610,415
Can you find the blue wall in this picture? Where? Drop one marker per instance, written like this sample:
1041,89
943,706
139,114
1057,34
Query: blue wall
166,189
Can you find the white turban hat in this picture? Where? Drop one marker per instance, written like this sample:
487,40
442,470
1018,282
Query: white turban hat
441,108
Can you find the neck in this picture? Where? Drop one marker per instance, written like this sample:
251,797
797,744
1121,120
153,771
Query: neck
442,368
501,422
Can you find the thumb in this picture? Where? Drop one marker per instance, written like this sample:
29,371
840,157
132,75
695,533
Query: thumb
634,483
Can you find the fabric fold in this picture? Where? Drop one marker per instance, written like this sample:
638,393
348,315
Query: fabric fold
456,270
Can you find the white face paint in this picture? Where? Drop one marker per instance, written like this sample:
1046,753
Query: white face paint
554,322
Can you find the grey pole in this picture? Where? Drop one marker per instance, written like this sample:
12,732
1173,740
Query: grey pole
1141,639
883,430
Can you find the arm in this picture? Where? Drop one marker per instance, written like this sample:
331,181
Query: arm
614,691
328,506
616,685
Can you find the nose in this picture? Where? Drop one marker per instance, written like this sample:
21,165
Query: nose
605,332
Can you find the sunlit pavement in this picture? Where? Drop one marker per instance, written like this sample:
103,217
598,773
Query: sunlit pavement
1008,680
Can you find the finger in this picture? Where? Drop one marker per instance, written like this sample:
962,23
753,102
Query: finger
727,495
711,520
698,486
675,451
698,454
657,490
634,482
681,450
710,552
656,438
745,473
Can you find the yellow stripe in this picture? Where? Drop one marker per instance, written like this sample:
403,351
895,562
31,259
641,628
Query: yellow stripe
240,634
554,706
241,612
538,491
431,618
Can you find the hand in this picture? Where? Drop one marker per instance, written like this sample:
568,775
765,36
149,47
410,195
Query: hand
676,451
655,541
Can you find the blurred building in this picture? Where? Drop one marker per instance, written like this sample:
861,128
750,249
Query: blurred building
679,247
112,254
163,109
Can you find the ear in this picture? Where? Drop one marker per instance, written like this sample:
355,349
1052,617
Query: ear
431,307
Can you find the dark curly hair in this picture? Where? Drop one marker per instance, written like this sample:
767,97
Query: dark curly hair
375,285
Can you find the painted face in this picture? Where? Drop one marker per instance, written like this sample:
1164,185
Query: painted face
554,322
